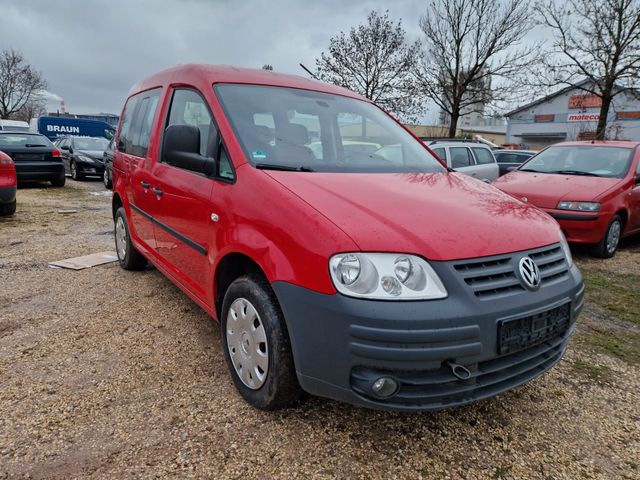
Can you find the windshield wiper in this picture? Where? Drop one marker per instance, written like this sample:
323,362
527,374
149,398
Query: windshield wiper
575,172
34,145
284,168
530,170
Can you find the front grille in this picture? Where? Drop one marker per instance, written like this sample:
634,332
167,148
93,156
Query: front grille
496,277
440,388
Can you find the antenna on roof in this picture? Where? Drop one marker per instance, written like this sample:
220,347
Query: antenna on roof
309,72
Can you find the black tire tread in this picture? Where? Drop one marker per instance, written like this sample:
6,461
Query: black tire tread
133,260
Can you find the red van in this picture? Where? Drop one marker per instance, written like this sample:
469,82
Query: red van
591,188
8,185
384,281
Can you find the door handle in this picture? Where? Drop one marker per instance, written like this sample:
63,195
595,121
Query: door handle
144,185
157,191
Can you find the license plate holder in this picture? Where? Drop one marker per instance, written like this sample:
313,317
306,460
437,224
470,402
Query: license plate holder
521,333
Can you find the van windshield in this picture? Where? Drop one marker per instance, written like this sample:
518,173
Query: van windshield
293,129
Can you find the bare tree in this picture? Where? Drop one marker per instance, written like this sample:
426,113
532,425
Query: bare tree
474,54
375,60
267,66
596,46
19,83
35,107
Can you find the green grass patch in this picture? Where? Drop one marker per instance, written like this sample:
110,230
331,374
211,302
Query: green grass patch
619,343
617,294
594,373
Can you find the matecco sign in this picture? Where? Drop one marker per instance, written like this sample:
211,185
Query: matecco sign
583,117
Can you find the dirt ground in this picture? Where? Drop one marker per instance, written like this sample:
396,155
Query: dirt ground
111,374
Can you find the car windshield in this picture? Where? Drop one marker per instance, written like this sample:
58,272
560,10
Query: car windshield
23,140
292,129
588,160
90,143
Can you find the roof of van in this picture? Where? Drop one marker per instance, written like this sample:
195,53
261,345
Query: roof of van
211,74
14,123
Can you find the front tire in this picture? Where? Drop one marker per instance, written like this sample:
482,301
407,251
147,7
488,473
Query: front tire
75,173
106,179
608,245
256,345
128,256
8,208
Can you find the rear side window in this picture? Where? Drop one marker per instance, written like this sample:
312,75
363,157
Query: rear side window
460,157
142,123
189,108
124,138
441,152
483,156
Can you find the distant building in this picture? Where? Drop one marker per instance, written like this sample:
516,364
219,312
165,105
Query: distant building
475,115
572,114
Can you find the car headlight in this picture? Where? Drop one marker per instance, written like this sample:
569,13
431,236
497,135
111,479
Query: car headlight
579,206
565,248
385,276
85,158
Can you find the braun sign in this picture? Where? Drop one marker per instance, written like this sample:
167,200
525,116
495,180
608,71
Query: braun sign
583,117
63,129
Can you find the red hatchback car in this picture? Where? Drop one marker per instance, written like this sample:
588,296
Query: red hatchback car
591,188
8,185
389,283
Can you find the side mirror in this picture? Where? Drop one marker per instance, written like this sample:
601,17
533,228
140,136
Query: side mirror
512,169
66,147
182,149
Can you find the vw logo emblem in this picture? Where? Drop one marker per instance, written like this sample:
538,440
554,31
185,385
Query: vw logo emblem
530,273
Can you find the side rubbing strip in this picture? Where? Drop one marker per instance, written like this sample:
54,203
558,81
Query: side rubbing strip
196,246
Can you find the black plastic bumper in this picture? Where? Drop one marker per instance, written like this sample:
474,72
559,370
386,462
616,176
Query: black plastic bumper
38,170
90,168
341,345
7,194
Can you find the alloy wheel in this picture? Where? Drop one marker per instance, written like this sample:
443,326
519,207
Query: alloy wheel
613,236
121,239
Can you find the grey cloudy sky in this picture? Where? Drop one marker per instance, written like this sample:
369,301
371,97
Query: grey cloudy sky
91,52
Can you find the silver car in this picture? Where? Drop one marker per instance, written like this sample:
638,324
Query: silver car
472,158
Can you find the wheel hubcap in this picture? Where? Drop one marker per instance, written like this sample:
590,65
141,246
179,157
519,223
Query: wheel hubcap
247,343
105,177
121,239
614,236
74,172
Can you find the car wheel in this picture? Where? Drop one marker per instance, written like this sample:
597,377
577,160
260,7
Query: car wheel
256,345
75,173
59,181
8,208
608,246
105,179
128,256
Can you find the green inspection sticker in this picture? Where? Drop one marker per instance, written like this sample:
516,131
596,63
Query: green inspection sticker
259,154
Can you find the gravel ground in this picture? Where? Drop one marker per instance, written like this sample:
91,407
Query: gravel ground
112,374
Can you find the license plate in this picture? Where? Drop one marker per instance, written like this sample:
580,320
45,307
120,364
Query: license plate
521,333
28,156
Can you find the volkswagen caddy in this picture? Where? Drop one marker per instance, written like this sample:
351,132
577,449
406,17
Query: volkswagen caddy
385,281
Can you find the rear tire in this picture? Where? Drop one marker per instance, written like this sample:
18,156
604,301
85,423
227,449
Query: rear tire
59,181
608,245
256,345
8,208
75,173
128,256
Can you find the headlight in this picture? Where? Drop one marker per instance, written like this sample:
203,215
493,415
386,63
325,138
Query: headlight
579,206
385,276
86,159
565,248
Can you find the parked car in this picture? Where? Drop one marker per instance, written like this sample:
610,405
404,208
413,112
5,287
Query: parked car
591,188
107,159
509,160
13,126
8,185
388,284
471,158
83,156
34,156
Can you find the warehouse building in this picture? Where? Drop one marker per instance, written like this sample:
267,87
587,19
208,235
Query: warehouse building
572,114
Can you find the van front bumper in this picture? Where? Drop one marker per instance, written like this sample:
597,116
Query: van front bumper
342,345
